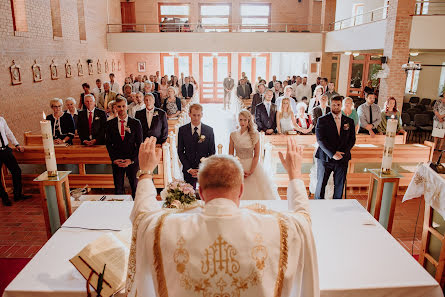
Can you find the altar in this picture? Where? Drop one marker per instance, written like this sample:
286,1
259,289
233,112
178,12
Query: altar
356,255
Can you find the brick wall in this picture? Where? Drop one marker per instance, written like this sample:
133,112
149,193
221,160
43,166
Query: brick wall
22,105
152,63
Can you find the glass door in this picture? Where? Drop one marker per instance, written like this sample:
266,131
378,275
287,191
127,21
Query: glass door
254,65
175,64
213,69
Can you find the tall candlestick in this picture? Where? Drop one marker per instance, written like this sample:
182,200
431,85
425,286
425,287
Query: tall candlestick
48,147
391,130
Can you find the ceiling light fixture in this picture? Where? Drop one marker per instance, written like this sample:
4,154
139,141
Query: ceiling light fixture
415,54
356,54
348,53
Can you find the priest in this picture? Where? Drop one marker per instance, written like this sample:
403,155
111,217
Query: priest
221,249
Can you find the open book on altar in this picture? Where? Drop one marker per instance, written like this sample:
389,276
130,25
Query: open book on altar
111,249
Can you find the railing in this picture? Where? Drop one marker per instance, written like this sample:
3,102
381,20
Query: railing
198,28
375,15
429,8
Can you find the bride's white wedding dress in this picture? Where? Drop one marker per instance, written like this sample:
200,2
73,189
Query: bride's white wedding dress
258,186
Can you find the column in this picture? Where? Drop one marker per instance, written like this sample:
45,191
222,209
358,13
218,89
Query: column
398,30
328,8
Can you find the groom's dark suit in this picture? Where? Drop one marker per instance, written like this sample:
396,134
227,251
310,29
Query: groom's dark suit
158,127
191,148
329,143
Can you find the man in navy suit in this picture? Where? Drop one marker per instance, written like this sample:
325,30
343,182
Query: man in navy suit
195,141
336,137
187,89
266,114
123,138
91,123
153,120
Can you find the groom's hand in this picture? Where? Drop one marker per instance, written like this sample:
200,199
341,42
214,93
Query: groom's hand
149,155
293,160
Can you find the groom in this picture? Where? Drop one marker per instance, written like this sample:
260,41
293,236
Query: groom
195,141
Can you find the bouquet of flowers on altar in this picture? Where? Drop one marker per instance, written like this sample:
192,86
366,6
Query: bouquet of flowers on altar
179,194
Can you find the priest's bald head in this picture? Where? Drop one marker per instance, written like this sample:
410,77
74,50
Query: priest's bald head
221,176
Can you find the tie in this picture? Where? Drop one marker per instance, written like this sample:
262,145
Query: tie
106,101
122,129
337,122
90,120
3,141
370,114
149,118
195,134
268,109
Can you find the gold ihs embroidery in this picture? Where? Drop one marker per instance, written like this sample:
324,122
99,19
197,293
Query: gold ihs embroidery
220,256
220,268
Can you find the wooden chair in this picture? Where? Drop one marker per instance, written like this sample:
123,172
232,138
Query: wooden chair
432,254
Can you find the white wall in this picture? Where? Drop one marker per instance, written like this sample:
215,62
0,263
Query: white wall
288,64
364,37
429,77
214,42
427,32
344,8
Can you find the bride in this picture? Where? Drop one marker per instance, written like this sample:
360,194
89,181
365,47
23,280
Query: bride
244,143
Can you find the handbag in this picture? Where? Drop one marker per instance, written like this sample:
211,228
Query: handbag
438,130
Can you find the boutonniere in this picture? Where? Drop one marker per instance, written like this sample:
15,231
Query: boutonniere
96,118
346,126
201,138
155,113
127,129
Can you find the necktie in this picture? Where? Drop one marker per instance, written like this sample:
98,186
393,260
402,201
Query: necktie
90,120
195,134
122,129
106,101
268,109
337,122
149,118
370,114
3,141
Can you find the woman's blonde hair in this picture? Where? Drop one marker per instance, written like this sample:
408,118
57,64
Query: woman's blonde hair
251,127
346,100
289,108
171,88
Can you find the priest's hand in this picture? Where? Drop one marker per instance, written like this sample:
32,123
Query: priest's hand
20,148
293,160
149,155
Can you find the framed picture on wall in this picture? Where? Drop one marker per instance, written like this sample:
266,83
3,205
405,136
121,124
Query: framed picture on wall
90,69
99,67
16,76
79,68
53,70
113,66
36,72
118,65
141,66
68,69
106,66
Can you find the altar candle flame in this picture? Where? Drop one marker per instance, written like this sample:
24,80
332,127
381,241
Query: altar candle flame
393,117
44,115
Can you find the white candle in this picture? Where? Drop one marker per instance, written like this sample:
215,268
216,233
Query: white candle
48,147
391,130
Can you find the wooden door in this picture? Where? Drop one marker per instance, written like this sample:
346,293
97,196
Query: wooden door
213,68
128,14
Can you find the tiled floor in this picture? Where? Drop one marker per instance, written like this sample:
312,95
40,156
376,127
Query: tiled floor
22,227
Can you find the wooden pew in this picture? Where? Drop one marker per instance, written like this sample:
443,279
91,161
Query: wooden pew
281,140
409,154
80,157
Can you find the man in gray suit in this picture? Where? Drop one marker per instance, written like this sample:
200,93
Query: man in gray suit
229,84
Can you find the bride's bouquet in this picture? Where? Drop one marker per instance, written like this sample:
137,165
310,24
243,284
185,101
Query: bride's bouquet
179,194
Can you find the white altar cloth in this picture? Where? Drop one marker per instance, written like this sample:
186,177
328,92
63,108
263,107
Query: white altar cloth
356,255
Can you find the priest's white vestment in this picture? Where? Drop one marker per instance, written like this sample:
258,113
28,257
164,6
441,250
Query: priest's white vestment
221,250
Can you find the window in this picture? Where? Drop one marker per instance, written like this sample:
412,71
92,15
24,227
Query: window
175,64
412,80
422,7
357,13
18,9
254,65
442,80
173,17
56,19
255,17
215,17
81,20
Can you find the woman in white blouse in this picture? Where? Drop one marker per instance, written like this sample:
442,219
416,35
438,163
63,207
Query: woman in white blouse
315,101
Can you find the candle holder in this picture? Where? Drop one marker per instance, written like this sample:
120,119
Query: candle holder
391,131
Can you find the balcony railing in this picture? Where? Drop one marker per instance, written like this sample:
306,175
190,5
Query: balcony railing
429,8
371,16
190,27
